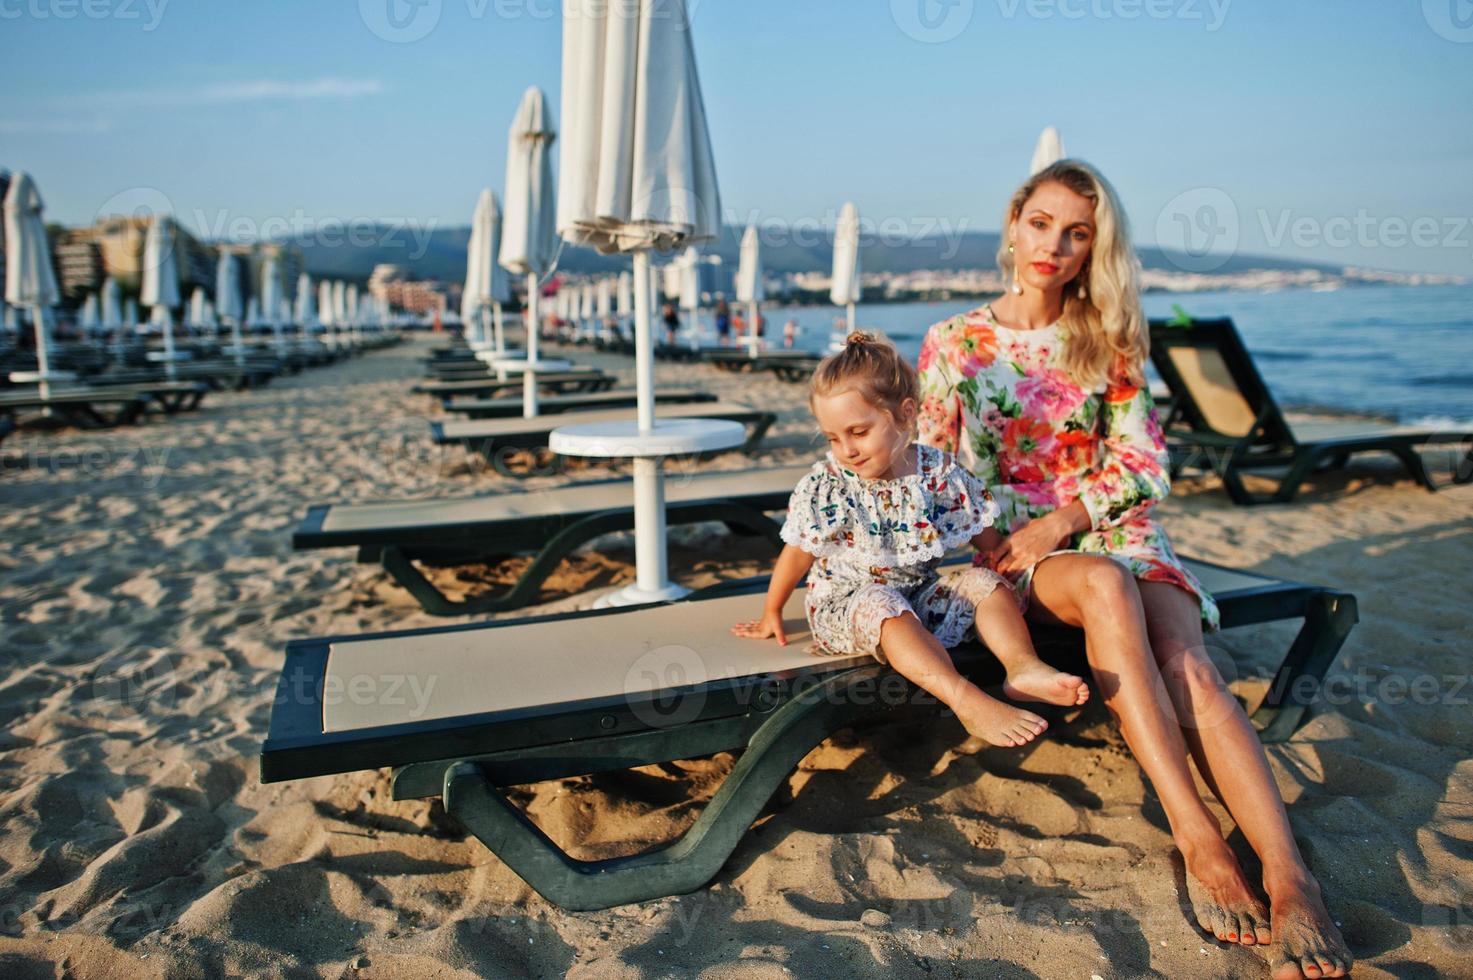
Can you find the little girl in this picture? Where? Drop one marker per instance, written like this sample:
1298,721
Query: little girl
870,524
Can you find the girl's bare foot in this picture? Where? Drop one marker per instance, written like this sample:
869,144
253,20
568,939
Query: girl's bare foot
1222,900
1305,940
1040,682
987,718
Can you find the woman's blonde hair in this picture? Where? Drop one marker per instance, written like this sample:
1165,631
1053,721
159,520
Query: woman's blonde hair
1104,332
871,366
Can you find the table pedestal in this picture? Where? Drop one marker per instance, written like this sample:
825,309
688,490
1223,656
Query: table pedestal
648,448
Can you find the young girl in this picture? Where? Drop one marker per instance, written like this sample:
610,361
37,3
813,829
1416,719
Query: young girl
870,524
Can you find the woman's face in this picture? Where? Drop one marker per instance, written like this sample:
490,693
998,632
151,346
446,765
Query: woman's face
1052,236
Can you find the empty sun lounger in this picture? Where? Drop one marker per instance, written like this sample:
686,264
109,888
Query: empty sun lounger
493,437
86,408
500,408
1224,418
464,712
549,524
559,382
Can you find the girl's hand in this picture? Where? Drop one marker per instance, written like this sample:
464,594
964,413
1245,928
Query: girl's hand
1030,544
771,624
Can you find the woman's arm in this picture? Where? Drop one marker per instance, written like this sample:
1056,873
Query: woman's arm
792,565
1133,474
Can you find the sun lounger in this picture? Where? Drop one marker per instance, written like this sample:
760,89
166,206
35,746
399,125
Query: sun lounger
500,408
464,712
1224,418
493,437
560,383
86,408
549,524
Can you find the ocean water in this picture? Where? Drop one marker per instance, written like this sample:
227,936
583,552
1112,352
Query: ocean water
1402,352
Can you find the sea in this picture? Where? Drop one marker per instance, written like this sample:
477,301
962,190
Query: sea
1398,352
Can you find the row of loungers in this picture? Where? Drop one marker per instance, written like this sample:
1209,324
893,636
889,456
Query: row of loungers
507,703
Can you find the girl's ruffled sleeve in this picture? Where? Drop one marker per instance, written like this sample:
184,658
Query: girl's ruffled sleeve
963,508
812,519
1133,473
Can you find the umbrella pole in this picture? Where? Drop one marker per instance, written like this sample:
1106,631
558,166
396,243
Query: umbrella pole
752,339
529,375
43,352
498,329
171,370
851,317
651,573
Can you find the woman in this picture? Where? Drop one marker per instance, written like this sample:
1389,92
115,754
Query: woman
1042,393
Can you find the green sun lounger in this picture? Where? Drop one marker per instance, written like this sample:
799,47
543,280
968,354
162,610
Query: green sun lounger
85,408
462,713
496,438
1224,419
500,408
559,383
549,524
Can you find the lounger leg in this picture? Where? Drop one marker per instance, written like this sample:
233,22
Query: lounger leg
1415,465
1304,464
687,863
1328,619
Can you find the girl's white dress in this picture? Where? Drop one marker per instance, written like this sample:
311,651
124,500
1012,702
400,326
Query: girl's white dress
877,544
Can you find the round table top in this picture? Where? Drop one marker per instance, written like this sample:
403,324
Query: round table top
162,355
514,362
625,440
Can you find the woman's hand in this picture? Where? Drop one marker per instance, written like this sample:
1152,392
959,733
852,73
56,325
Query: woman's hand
1032,542
771,624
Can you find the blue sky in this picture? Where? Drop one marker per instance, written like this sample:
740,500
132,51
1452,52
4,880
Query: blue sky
1336,130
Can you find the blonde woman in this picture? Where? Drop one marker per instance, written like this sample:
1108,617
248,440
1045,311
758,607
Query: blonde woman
1041,393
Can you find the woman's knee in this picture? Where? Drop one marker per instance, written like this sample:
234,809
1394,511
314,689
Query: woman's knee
1109,588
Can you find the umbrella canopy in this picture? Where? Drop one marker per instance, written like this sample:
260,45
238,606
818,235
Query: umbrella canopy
350,298
749,268
637,168
112,312
845,288
88,318
198,317
30,281
604,298
324,303
689,288
227,287
586,301
624,295
1050,150
160,271
270,289
253,312
306,301
528,232
340,304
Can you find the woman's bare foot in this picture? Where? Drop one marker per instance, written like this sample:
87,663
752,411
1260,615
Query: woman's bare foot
1040,682
987,718
1222,900
1306,942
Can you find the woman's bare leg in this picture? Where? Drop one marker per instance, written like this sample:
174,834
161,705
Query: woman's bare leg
917,655
1101,596
1232,761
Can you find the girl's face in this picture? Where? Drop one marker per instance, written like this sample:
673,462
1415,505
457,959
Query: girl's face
864,437
1052,237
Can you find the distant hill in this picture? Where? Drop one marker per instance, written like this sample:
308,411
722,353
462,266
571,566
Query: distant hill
444,255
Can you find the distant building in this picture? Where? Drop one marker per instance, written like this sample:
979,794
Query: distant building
79,268
120,241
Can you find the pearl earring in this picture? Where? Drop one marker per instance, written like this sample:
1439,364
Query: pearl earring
1083,293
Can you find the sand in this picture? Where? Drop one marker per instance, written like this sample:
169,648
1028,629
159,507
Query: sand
148,587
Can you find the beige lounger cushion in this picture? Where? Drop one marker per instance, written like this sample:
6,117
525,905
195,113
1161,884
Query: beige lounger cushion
484,428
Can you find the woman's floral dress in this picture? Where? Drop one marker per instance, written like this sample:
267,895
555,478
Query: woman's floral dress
999,398
876,545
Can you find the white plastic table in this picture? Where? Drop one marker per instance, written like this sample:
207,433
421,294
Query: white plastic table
648,448
506,363
36,377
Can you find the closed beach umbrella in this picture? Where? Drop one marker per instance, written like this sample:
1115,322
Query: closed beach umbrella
88,318
587,301
340,305
637,175
227,300
161,284
486,282
112,311
689,290
624,297
130,313
475,274
604,303
1048,151
253,313
845,290
306,303
271,298
197,302
749,288
30,281
529,231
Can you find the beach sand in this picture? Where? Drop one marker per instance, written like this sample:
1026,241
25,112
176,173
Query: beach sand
148,587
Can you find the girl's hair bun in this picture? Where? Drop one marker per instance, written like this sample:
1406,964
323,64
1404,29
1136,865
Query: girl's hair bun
859,337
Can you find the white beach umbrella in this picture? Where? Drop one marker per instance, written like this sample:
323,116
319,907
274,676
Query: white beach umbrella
271,299
306,308
603,306
586,302
30,281
227,300
1048,151
88,318
253,313
749,287
197,302
689,290
624,297
130,314
161,284
845,289
340,305
637,175
112,311
486,282
529,232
